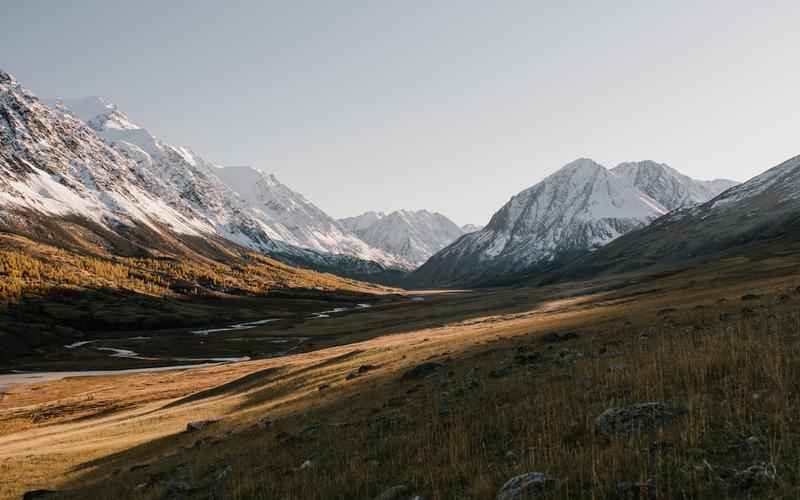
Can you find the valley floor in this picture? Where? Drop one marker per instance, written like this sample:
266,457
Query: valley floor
452,396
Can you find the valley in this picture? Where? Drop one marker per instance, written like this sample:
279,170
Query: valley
480,385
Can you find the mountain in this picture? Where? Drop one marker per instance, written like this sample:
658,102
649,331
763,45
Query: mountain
470,228
761,215
669,187
291,218
90,177
411,235
581,207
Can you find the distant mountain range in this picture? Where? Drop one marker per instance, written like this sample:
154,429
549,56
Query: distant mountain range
411,235
578,209
81,174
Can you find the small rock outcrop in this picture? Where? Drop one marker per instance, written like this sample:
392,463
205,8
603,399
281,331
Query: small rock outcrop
421,371
638,418
399,492
530,486
199,425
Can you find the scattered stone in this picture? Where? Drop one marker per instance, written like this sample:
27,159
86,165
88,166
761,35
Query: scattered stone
748,312
668,310
530,486
322,387
750,296
138,467
421,371
351,376
366,368
306,465
553,337
264,423
569,355
222,473
32,495
783,299
727,317
634,489
399,492
502,372
199,425
638,418
757,475
176,487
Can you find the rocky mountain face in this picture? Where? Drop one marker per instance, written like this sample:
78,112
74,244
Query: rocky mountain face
289,217
669,187
411,235
580,208
86,164
762,211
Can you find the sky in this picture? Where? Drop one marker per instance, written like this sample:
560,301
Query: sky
451,106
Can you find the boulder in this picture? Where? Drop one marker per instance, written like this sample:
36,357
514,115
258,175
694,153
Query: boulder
399,492
530,486
199,425
421,371
638,418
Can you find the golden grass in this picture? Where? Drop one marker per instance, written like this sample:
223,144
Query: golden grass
650,340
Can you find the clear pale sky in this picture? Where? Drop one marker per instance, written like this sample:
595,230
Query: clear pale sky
452,106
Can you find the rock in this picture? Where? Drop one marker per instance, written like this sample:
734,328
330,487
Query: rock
32,495
399,492
306,465
748,312
351,376
553,337
630,420
322,387
750,296
502,372
264,423
530,486
634,489
421,371
176,487
199,425
366,368
727,317
783,299
569,355
756,476
222,473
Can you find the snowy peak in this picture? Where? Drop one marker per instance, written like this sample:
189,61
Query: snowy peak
412,235
470,228
669,187
580,207
291,218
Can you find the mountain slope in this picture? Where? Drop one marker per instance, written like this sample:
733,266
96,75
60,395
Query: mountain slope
581,207
411,235
112,186
763,212
669,187
291,218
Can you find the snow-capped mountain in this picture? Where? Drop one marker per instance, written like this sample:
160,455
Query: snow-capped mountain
412,235
669,187
470,228
581,207
291,218
85,162
763,212
52,163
